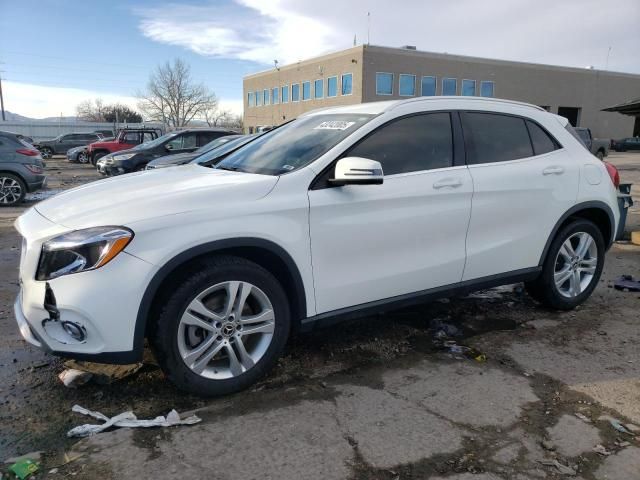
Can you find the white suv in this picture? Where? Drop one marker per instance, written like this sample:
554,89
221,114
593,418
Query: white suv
218,266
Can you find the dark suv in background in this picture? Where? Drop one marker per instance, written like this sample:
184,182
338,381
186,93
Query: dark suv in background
21,169
63,143
181,141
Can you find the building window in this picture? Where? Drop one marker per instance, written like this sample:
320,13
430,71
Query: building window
347,84
384,83
295,92
258,97
306,90
275,95
250,99
449,86
428,86
486,88
332,86
285,94
407,85
265,96
318,89
469,88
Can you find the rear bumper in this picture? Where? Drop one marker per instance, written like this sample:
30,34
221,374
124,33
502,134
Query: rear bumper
36,182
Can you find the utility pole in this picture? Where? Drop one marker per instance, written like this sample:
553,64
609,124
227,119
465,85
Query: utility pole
368,26
2,101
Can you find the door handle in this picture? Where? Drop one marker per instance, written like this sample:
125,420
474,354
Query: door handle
448,182
553,171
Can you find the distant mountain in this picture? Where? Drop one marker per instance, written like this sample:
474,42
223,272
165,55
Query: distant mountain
15,117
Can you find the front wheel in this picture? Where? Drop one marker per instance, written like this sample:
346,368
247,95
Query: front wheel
46,152
223,328
83,157
600,154
12,189
572,268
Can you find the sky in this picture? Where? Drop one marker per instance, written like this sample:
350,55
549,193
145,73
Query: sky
56,53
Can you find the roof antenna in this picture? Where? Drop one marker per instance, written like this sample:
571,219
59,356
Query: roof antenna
368,25
275,63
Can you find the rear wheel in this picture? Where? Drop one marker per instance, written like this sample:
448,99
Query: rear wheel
572,268
46,152
223,328
12,189
83,157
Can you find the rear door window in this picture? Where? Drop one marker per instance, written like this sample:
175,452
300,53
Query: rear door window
542,141
493,137
132,138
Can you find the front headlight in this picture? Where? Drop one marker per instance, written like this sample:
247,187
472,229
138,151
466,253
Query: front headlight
81,250
124,156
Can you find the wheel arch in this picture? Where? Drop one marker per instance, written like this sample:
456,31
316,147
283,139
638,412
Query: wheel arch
595,211
265,253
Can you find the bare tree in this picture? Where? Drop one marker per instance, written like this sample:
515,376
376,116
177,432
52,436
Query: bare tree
216,117
173,98
91,110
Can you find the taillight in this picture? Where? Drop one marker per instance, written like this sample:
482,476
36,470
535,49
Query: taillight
613,174
28,152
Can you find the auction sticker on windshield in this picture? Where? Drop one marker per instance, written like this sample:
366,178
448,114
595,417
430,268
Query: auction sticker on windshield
334,125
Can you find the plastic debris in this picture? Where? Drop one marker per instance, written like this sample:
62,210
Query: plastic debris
563,469
442,329
601,450
126,419
72,378
627,283
79,372
34,456
582,417
469,352
24,468
619,427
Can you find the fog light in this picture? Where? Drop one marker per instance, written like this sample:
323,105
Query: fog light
74,330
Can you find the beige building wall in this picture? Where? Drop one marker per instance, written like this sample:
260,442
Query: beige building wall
544,85
336,64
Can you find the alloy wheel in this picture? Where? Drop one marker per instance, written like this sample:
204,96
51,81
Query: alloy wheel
226,329
10,190
83,157
46,153
576,264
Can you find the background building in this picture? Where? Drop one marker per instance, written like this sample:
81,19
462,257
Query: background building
370,73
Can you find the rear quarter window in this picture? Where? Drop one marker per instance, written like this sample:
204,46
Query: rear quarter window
493,137
542,141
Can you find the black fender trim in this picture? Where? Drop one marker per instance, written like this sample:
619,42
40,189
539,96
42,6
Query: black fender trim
207,248
576,208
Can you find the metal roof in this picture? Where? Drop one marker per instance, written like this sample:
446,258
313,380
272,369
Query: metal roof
632,107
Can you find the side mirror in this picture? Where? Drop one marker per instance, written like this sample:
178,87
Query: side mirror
168,147
357,171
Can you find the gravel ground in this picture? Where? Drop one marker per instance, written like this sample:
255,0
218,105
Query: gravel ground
372,399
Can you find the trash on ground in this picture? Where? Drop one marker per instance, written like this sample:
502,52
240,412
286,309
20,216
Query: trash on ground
24,468
619,427
547,445
126,419
442,329
79,372
469,352
563,469
632,428
72,378
601,450
627,283
582,417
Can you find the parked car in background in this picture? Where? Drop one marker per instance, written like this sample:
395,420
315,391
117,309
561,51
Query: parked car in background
181,141
104,133
183,158
61,144
598,146
624,144
125,139
21,169
211,159
29,140
78,155
341,212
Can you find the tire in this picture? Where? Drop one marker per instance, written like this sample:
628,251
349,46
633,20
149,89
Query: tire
46,152
12,189
83,157
210,370
97,156
570,293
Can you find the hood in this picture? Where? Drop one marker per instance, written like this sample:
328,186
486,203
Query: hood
138,196
177,159
104,143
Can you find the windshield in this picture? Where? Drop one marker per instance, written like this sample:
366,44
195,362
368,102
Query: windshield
209,157
215,143
295,144
156,142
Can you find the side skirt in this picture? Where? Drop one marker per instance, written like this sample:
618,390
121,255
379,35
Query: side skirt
455,289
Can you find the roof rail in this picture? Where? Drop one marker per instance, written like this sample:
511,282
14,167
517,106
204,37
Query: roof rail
458,97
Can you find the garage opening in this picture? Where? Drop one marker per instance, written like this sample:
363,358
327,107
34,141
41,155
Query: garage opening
570,113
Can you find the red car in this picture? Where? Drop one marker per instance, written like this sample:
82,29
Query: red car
126,138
